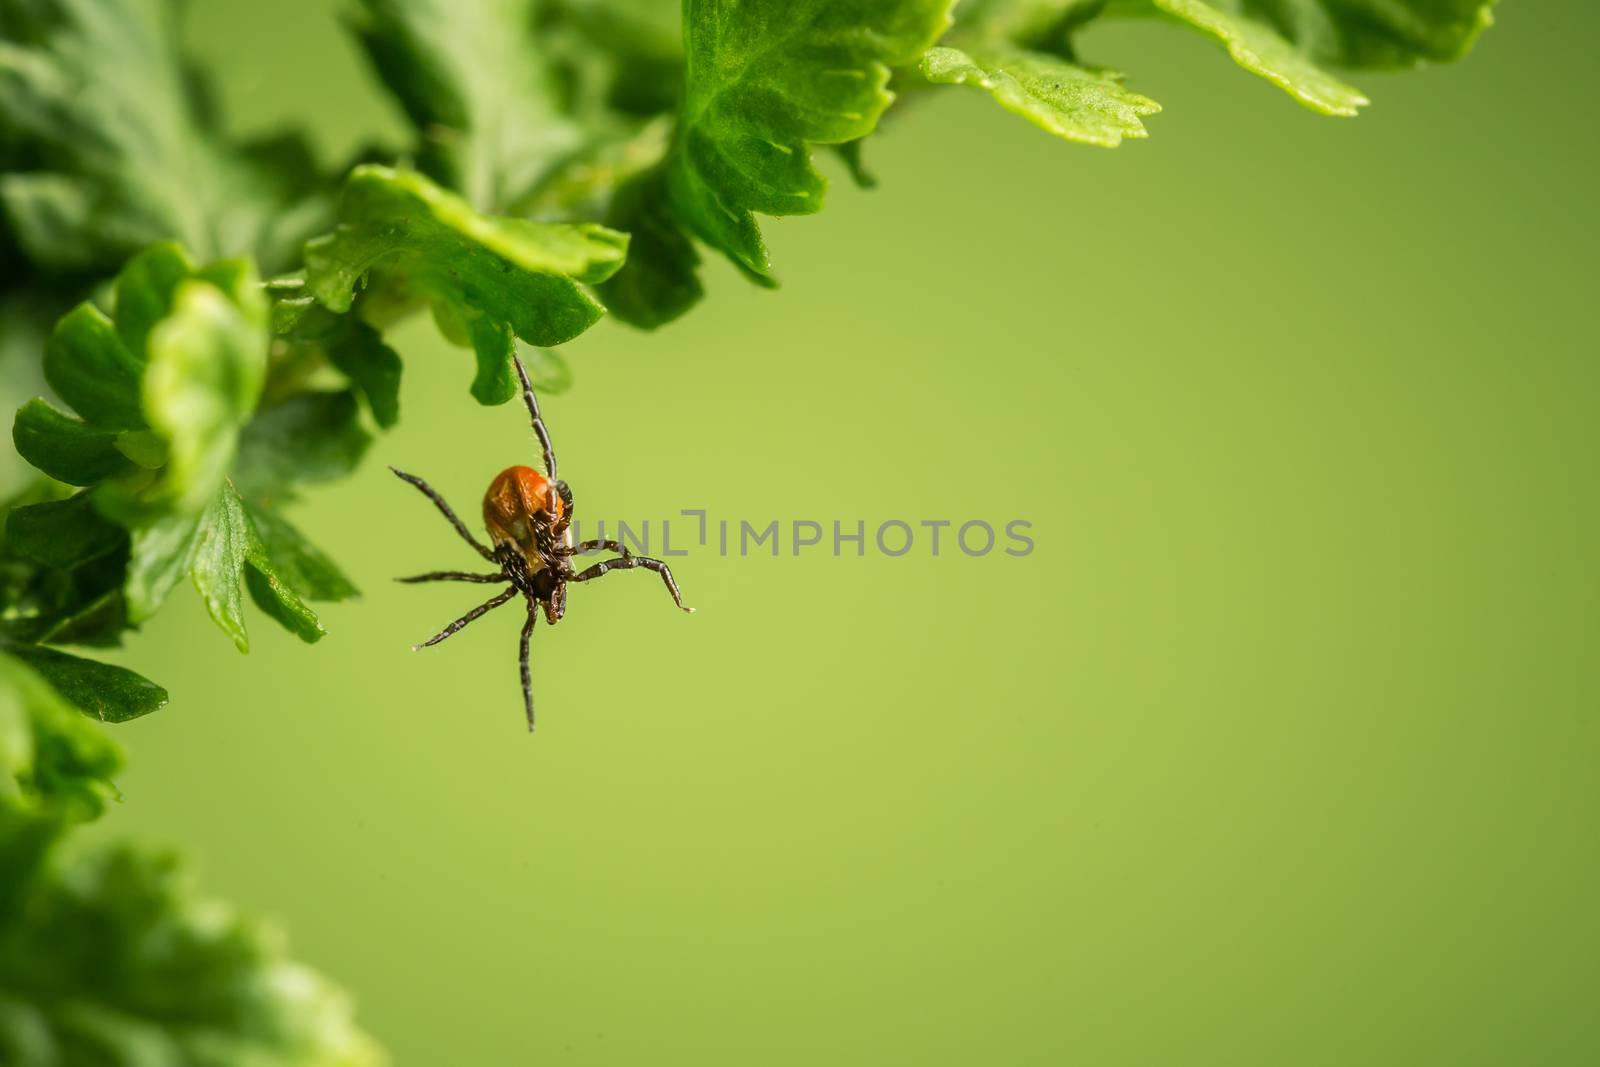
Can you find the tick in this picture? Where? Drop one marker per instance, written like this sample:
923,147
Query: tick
529,519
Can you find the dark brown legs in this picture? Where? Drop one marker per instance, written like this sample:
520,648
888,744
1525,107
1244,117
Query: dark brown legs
538,420
628,563
527,674
476,613
438,501
453,576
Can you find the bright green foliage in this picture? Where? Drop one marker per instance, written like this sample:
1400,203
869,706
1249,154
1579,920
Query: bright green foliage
1090,107
113,959
765,80
488,279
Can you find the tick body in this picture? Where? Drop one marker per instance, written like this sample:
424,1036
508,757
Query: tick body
528,516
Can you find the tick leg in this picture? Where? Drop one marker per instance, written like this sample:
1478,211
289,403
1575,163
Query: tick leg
438,502
453,576
628,563
475,613
527,674
601,546
538,420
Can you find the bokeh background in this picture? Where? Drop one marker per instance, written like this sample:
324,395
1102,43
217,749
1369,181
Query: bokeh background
1280,748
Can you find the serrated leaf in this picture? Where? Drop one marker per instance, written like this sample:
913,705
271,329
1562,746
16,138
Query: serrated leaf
475,81
766,79
209,549
509,273
305,568
99,690
1258,48
67,449
1073,103
102,104
113,959
281,603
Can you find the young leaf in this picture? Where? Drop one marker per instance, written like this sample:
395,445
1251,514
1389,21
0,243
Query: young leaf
765,80
1069,101
113,959
104,104
474,80
495,276
99,690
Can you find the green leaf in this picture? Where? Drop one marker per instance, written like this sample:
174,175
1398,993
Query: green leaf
309,438
99,690
208,549
489,274
1258,48
372,367
207,363
102,104
62,533
476,83
282,604
765,80
1069,101
661,278
90,368
67,449
113,959
54,762
302,566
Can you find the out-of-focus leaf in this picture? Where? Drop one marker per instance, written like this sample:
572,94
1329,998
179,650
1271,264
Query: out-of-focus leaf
661,279
309,438
372,367
113,959
100,99
62,533
474,79
490,274
99,690
54,762
67,449
90,368
1074,103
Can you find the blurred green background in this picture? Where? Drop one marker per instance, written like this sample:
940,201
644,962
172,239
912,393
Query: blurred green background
1279,748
